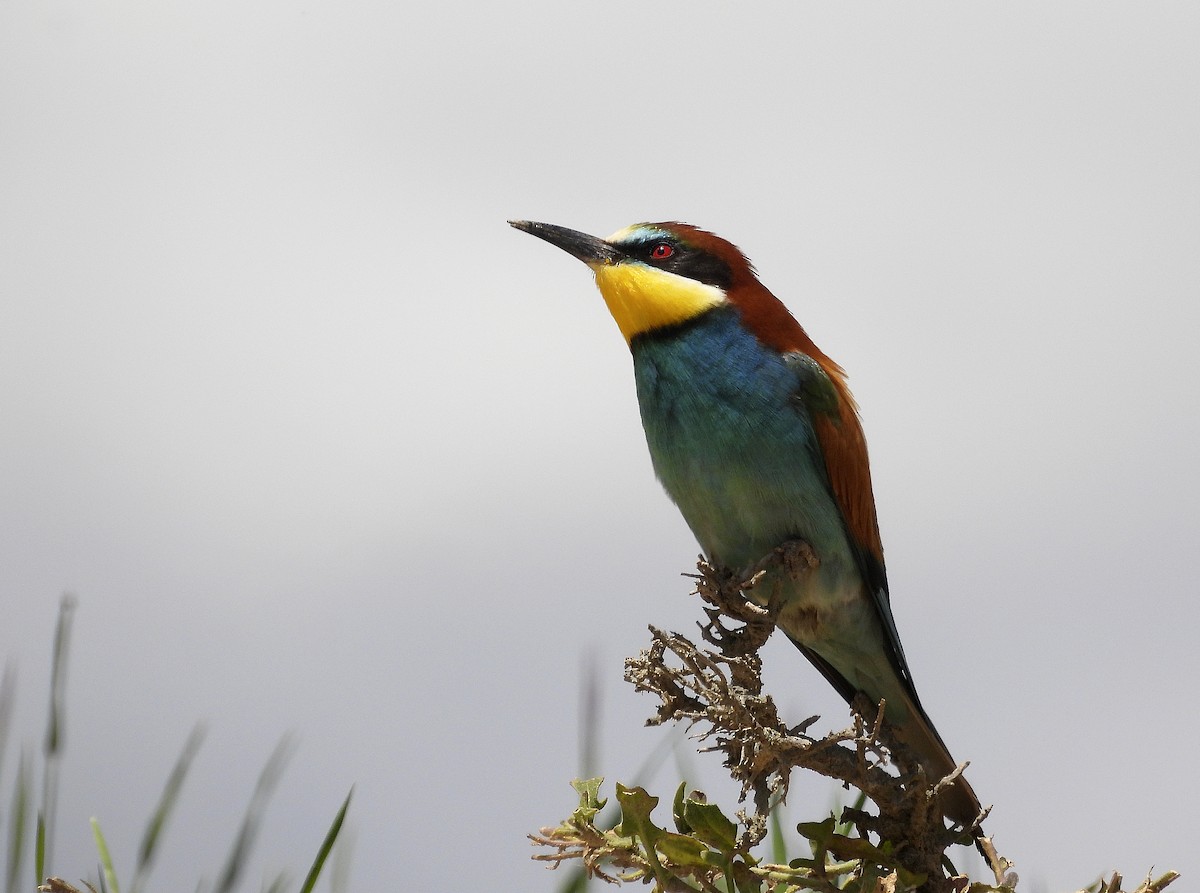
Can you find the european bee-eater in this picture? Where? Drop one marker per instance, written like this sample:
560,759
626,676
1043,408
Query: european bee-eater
754,434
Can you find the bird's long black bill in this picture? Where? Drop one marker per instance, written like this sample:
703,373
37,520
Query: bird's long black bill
589,249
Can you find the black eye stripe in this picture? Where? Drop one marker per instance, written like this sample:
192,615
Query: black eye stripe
683,261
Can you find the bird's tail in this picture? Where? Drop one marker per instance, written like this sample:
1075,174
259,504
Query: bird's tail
917,733
909,723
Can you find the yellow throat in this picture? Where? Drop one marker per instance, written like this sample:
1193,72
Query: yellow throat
641,298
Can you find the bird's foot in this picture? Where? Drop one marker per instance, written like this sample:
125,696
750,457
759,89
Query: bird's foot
795,557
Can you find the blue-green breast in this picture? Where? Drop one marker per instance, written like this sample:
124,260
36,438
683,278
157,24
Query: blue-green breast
732,442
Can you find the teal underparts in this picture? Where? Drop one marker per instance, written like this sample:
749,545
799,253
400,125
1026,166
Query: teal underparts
731,438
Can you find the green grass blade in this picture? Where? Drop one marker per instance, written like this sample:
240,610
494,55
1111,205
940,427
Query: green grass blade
16,834
166,805
575,882
326,845
8,698
860,801
343,856
109,876
683,760
39,853
56,722
58,668
779,844
590,706
244,842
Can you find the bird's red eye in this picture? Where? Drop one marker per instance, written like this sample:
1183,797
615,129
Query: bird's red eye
661,251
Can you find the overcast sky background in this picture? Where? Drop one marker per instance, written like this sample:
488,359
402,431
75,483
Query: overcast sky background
322,445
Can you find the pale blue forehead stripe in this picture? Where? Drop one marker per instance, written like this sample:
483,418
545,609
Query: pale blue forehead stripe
639,232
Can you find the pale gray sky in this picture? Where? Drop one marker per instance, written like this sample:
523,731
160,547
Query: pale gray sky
322,445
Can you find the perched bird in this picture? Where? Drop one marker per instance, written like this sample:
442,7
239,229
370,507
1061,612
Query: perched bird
755,436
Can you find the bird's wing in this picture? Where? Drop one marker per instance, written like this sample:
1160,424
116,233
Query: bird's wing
823,394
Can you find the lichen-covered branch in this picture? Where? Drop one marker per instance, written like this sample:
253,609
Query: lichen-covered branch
719,693
716,689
